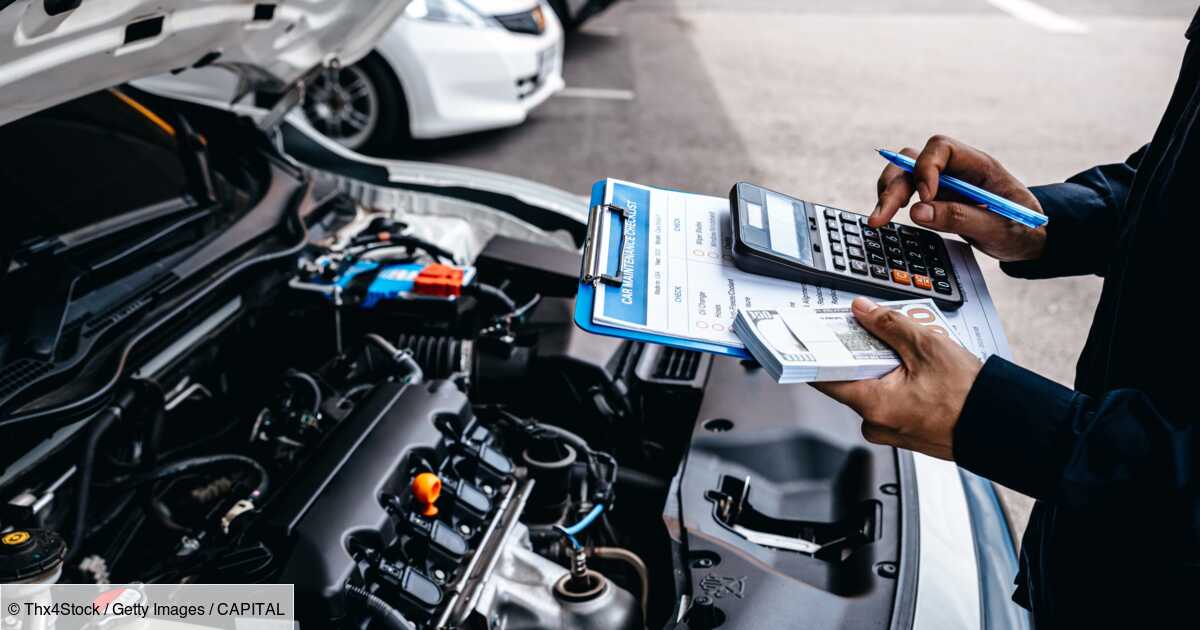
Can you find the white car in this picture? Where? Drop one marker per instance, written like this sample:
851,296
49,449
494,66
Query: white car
443,68
446,67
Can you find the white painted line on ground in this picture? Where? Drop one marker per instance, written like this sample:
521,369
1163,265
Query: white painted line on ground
1039,16
600,93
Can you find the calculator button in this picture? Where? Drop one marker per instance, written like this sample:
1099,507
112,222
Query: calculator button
850,217
837,248
849,229
839,263
832,224
921,282
909,231
917,269
900,277
941,286
853,240
915,257
870,232
830,213
858,266
834,237
855,252
873,245
890,237
939,273
895,252
911,244
897,263
876,259
881,272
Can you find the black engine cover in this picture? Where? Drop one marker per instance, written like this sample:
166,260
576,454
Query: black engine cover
337,492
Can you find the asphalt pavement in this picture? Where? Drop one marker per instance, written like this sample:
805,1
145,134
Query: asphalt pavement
697,94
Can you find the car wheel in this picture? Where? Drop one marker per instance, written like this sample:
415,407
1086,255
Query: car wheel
360,106
564,14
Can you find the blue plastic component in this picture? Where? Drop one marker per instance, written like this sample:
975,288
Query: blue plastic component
393,281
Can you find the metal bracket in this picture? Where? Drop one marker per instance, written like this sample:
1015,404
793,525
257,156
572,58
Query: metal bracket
593,268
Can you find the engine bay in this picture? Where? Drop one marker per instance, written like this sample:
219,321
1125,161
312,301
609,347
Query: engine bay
415,435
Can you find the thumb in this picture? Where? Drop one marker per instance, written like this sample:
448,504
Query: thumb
892,328
971,222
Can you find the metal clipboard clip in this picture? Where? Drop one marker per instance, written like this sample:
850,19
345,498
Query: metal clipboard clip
593,267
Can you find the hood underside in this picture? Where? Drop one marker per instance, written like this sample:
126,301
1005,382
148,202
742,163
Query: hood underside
54,50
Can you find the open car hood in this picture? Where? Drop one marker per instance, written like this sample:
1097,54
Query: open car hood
54,50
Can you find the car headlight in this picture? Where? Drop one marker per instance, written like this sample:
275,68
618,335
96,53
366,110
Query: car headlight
447,11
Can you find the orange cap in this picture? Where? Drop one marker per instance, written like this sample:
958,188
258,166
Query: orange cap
426,488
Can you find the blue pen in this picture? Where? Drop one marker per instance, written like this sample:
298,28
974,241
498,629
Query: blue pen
995,203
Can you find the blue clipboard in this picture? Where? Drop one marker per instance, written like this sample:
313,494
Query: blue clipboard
586,297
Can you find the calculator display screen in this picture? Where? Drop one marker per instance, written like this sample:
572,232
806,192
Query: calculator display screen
786,227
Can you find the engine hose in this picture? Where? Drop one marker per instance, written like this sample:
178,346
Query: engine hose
439,357
186,465
87,462
311,384
639,567
380,611
413,373
507,305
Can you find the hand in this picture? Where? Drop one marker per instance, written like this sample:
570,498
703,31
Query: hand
947,212
916,405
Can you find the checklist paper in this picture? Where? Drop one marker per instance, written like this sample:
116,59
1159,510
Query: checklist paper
678,282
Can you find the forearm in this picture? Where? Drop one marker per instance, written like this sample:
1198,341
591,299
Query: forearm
1053,443
1082,231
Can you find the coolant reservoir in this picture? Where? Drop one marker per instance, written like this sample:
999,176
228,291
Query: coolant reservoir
30,563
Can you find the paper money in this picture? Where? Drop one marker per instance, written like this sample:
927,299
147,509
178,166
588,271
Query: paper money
826,343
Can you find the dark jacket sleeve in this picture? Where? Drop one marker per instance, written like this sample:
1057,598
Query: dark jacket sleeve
1082,230
1056,444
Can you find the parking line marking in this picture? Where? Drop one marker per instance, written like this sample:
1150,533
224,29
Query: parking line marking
600,93
1039,16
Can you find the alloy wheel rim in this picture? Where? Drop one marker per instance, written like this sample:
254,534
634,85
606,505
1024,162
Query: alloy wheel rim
343,105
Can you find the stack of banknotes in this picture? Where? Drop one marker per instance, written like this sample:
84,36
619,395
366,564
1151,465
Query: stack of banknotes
826,343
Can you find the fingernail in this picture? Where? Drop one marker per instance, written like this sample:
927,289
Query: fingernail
921,213
863,305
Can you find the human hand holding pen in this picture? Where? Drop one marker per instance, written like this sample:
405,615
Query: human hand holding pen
945,211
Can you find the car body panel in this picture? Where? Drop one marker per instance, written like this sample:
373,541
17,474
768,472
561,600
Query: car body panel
48,59
501,7
459,79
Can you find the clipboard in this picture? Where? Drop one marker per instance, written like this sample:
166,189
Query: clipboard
594,272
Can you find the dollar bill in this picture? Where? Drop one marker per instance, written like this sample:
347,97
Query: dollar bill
826,343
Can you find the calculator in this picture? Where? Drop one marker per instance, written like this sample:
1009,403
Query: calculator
784,237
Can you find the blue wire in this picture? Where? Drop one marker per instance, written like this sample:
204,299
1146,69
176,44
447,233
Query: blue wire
570,532
587,520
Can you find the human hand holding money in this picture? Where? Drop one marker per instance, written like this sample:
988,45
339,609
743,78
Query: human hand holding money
827,343
916,405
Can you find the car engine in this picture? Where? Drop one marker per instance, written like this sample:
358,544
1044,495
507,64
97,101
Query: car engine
354,399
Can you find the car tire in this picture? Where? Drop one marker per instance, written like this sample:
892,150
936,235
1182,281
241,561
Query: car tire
365,111
564,14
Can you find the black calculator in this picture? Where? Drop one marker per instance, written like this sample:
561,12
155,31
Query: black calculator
784,237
